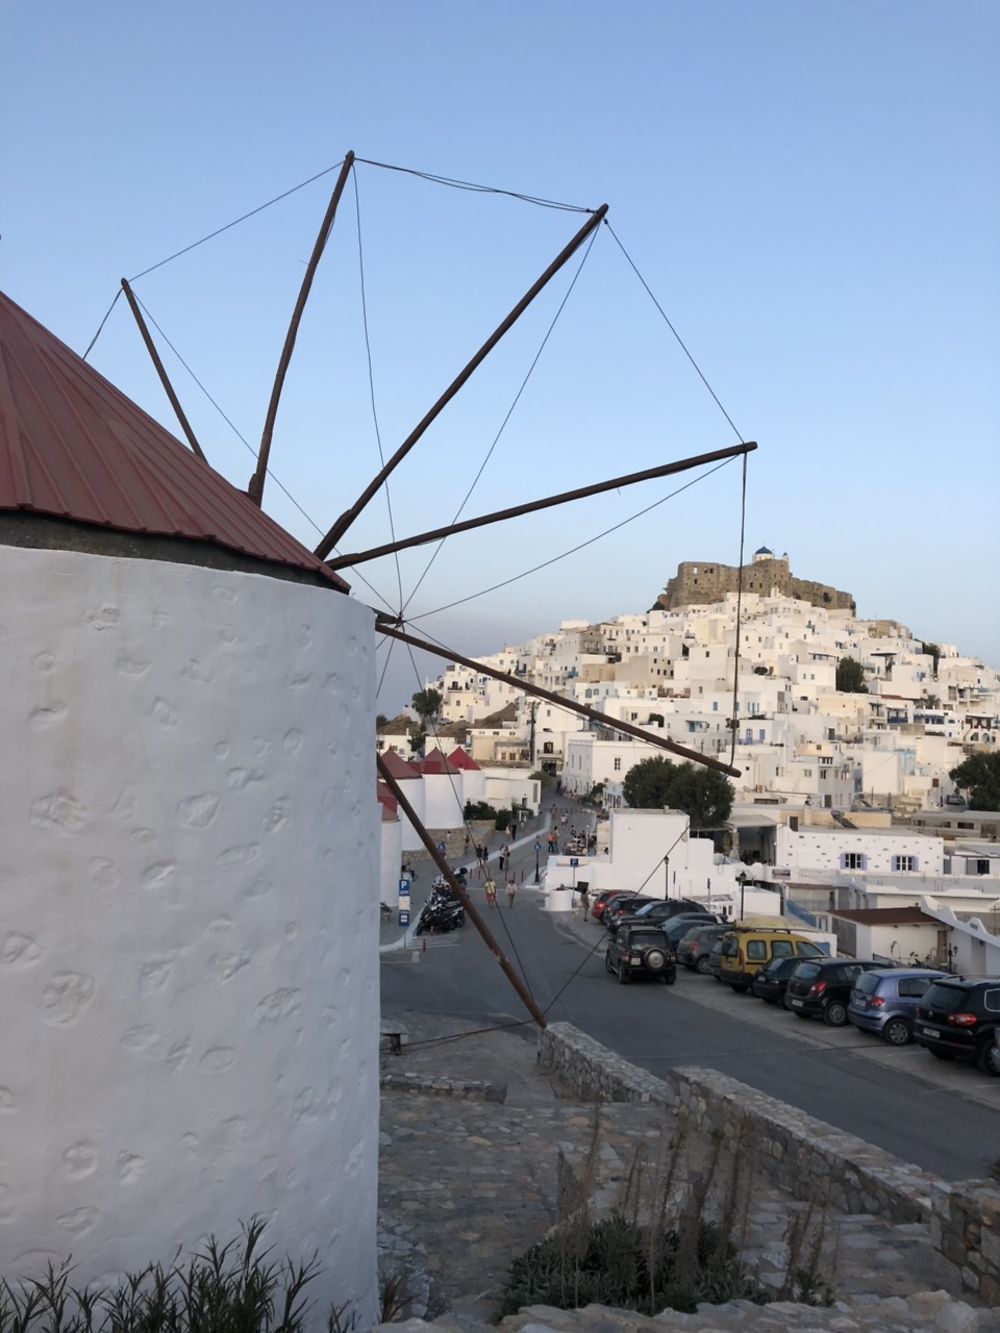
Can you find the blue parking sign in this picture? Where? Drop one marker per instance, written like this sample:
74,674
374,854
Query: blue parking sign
404,917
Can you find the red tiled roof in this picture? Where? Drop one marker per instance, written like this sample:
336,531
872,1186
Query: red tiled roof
72,446
459,759
435,764
387,802
398,766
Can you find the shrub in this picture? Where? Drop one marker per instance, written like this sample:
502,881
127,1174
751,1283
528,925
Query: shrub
619,1263
235,1288
479,810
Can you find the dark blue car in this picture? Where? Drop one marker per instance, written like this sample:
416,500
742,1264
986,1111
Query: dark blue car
885,1002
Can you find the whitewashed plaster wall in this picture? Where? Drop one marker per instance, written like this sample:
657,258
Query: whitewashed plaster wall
188,917
390,859
414,791
443,800
473,784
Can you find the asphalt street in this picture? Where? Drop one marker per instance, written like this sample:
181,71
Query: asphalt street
946,1118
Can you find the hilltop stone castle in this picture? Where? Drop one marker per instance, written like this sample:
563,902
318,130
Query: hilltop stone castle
696,582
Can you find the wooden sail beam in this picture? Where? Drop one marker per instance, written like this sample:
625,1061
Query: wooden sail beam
527,999
256,487
500,515
161,370
349,515
385,625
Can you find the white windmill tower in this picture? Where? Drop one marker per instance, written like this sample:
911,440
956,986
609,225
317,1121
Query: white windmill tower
188,850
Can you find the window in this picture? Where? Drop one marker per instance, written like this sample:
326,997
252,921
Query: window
618,765
806,950
756,951
991,1001
782,948
904,863
913,986
547,747
854,861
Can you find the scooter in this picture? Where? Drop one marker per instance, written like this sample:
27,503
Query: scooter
442,912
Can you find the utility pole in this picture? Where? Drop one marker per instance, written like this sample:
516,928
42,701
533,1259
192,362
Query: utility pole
531,736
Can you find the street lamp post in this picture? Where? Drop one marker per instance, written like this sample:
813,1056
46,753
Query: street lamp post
742,879
536,864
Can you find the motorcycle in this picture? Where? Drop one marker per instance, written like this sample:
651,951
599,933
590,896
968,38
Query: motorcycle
443,910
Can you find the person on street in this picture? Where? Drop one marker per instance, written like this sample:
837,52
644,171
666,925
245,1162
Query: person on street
491,892
511,891
584,904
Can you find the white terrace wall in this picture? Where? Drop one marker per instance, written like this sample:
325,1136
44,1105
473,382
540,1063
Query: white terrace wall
415,792
188,858
443,800
390,859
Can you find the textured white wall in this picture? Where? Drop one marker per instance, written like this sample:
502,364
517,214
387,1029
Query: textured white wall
188,917
413,789
443,800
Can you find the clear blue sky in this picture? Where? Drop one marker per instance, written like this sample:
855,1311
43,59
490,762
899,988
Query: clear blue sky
811,190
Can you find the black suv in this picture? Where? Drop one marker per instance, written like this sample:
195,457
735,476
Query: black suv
958,1016
640,951
821,988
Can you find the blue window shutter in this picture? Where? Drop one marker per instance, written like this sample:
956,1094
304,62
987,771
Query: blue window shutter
843,860
864,862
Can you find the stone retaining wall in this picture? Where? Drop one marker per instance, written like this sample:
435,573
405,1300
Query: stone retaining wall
484,1090
804,1156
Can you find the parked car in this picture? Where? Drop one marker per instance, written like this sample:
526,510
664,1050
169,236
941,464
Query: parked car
627,905
678,927
694,949
885,1002
640,951
823,989
771,982
746,951
603,901
958,1018
715,959
662,913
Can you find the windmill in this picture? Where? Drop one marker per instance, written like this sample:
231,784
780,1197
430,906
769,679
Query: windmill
392,626
192,1017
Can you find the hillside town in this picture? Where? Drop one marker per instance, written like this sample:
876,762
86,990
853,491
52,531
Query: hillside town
846,732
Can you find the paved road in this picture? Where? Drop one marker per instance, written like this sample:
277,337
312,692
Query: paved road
947,1119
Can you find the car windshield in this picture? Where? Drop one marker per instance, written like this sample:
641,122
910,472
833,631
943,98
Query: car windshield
946,998
806,971
645,909
868,983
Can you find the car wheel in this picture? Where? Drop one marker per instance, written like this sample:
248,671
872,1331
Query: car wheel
988,1058
835,1014
786,1001
740,989
703,965
896,1032
623,976
654,960
941,1055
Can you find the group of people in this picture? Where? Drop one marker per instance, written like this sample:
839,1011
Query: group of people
491,891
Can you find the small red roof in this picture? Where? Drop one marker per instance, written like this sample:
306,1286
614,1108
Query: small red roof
435,764
387,802
72,446
398,766
460,759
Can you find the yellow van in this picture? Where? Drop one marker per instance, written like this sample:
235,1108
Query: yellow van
746,949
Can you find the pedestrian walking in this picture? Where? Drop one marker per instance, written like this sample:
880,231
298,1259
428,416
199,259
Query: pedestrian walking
501,859
584,903
491,892
511,891
467,844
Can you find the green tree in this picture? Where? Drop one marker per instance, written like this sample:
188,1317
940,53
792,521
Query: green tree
851,676
702,793
979,777
655,720
932,650
380,721
426,704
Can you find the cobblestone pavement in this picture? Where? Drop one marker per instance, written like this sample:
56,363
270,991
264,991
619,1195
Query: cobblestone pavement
473,1183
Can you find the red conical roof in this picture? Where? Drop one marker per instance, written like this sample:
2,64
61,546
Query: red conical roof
72,446
387,802
398,766
459,758
435,763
